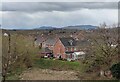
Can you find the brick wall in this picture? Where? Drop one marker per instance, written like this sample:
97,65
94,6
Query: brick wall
59,49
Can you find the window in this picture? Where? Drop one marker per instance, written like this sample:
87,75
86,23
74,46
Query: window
71,49
75,49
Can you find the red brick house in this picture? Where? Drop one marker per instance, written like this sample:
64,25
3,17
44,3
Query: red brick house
65,47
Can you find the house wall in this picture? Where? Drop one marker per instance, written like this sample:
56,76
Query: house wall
59,49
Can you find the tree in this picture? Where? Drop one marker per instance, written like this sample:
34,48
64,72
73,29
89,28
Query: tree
104,48
8,59
16,52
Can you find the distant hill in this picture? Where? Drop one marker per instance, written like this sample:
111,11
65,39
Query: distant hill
45,27
81,27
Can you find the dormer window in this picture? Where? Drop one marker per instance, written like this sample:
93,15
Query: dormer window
71,42
66,49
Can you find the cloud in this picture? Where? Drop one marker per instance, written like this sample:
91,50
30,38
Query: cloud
56,6
59,18
34,14
60,0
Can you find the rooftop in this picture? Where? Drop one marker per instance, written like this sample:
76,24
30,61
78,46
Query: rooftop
68,41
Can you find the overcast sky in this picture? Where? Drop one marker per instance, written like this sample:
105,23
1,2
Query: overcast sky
35,14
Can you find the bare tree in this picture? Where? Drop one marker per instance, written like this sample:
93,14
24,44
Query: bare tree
8,59
105,47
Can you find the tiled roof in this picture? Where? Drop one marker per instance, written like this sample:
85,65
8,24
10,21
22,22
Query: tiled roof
40,39
51,40
68,41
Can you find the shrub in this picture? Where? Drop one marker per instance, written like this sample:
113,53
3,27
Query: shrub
115,69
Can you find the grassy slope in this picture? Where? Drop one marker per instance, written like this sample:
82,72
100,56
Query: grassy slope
59,65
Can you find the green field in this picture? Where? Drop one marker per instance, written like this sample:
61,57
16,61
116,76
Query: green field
59,65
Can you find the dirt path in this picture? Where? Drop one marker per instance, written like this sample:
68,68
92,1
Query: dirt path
46,74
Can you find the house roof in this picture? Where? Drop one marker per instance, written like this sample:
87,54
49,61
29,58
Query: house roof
39,39
68,41
51,41
83,43
47,50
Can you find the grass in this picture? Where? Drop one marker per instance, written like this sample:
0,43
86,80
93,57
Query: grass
14,75
59,65
42,63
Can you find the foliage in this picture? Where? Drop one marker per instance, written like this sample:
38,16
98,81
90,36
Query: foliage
115,69
14,75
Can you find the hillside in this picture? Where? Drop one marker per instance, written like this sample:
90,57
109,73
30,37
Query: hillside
81,27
